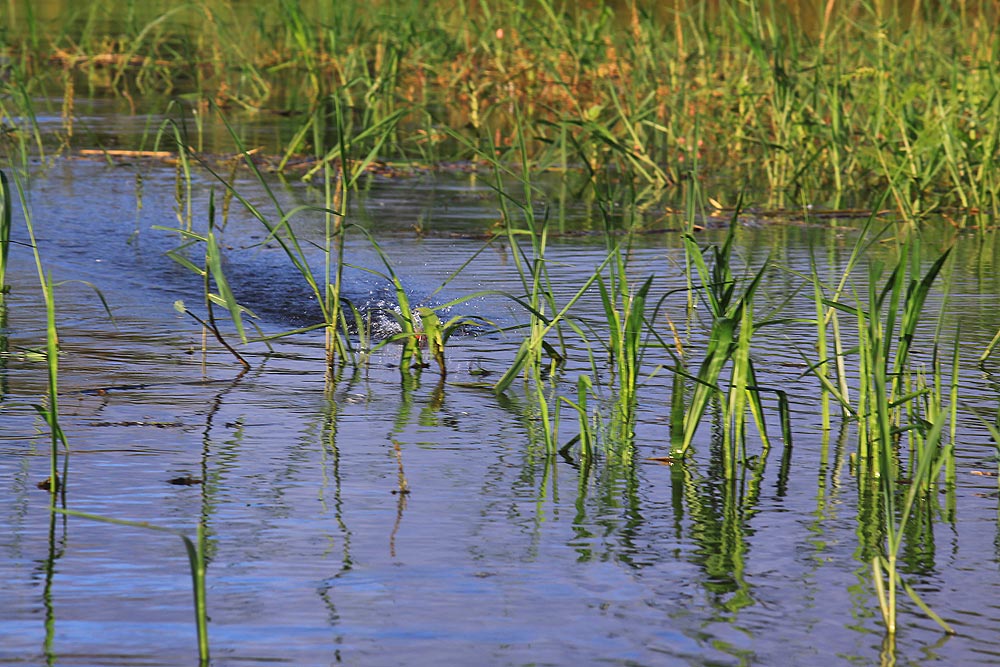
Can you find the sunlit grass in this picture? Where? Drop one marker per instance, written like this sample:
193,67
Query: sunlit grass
905,102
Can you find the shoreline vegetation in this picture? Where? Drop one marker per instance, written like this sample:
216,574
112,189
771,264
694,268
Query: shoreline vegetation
825,110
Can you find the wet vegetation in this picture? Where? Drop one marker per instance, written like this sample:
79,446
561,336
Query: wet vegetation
827,111
881,121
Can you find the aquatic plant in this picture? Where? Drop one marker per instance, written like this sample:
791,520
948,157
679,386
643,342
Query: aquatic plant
892,401
211,273
195,550
733,93
407,318
732,328
210,270
545,316
587,436
626,322
6,206
281,232
18,108
49,409
56,484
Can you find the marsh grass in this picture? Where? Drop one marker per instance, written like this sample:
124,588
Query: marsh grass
621,339
195,550
729,302
886,326
410,333
17,107
737,93
57,482
212,274
625,312
625,334
542,351
325,291
6,208
49,409
895,400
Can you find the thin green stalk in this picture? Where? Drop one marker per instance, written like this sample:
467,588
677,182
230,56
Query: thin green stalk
211,271
586,437
822,369
894,402
50,411
625,316
196,561
6,206
335,189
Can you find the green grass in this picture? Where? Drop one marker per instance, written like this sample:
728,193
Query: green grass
57,483
195,550
729,302
906,102
6,208
896,404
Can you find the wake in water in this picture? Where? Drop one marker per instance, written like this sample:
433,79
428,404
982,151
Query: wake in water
277,295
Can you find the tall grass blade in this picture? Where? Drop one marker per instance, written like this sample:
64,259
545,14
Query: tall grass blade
6,207
196,562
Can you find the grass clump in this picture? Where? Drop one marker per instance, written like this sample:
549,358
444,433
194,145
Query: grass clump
729,301
895,404
738,93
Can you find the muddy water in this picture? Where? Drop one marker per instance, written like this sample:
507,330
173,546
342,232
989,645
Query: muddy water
498,555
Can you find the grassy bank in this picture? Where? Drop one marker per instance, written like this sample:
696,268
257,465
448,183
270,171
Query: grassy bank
819,112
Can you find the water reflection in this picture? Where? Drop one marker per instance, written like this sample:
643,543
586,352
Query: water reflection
311,555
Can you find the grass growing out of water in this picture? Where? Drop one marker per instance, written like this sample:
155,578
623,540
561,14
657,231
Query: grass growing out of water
57,482
326,291
625,312
729,302
899,105
5,224
542,350
893,401
49,410
195,550
211,273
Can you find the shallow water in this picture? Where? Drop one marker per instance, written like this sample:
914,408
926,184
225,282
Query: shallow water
498,555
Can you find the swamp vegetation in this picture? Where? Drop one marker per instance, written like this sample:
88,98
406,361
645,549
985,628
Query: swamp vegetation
675,240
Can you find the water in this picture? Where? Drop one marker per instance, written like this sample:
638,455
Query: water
498,555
